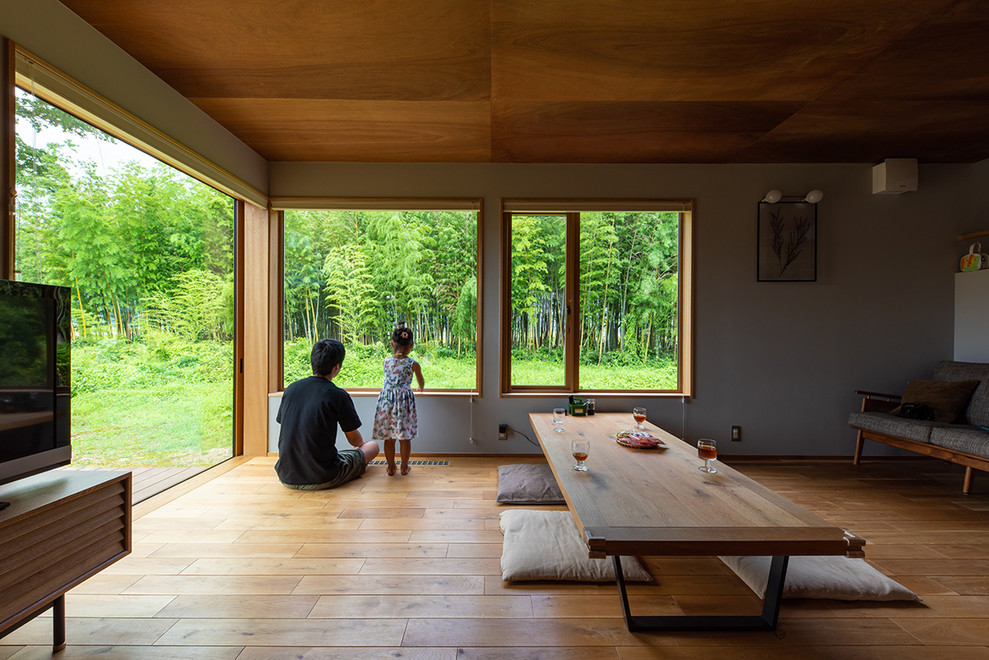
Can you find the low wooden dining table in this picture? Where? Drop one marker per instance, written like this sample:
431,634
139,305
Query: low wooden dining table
656,502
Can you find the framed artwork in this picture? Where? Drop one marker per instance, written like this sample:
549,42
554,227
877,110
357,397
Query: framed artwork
787,242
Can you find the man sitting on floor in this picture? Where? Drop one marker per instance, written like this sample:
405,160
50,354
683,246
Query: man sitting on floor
309,413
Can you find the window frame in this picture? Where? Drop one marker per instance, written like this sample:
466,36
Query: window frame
571,210
473,204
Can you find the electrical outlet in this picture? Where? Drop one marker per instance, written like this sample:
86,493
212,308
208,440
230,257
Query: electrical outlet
736,433
503,431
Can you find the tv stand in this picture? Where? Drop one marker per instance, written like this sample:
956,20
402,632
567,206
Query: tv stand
60,527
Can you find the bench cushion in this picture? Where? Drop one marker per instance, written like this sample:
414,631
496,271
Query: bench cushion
967,439
546,545
891,425
528,484
977,412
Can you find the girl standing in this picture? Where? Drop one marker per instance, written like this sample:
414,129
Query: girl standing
395,416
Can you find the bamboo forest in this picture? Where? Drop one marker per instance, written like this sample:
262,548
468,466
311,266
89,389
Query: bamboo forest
353,275
629,300
148,254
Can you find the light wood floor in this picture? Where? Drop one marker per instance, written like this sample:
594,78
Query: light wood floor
240,567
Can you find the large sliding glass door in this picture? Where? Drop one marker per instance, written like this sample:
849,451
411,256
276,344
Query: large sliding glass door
148,252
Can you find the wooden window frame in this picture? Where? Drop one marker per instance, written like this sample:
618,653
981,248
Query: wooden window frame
279,205
571,210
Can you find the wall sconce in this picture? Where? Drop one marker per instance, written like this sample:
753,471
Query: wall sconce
813,197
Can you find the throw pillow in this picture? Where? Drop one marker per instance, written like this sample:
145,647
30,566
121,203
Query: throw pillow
528,484
546,545
947,398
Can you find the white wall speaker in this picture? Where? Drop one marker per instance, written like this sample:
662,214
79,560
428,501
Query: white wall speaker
894,176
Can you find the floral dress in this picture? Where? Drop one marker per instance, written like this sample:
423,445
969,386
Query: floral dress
395,415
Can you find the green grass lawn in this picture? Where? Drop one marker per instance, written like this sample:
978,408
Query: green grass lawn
174,425
442,369
160,402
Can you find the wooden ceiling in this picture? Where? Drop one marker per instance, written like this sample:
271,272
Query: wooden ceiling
574,81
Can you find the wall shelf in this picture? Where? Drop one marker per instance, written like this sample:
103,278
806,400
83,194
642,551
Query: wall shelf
974,234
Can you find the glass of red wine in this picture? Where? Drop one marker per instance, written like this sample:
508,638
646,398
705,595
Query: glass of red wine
707,450
639,415
580,447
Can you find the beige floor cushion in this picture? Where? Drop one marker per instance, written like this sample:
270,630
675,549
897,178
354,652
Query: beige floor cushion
836,578
528,484
546,545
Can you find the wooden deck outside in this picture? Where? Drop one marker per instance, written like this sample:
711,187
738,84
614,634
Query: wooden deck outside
149,481
239,567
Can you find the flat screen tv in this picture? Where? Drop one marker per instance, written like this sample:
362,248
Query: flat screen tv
35,334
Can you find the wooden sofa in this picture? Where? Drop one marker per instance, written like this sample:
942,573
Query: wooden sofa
965,442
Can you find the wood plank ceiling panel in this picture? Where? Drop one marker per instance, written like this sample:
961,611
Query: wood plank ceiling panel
912,100
946,58
422,50
307,80
748,50
358,130
871,131
631,131
574,80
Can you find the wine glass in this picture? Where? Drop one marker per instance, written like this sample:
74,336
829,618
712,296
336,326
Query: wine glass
707,450
639,415
558,415
580,447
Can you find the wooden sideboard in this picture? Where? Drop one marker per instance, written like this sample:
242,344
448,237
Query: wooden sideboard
61,527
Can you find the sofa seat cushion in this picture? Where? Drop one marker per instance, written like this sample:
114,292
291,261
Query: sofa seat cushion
968,439
893,426
977,412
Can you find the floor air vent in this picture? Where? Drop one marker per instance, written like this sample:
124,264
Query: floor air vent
412,462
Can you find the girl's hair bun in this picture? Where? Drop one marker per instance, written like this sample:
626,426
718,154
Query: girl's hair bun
401,335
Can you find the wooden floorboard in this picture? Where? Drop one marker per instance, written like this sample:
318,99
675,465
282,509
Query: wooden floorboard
233,566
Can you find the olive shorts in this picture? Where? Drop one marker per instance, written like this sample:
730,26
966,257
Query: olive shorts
352,465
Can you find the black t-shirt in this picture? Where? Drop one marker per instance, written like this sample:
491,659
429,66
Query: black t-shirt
309,413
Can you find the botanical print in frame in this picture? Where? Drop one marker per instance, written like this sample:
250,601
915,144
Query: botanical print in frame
787,241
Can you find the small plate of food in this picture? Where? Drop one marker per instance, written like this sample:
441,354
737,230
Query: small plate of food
639,440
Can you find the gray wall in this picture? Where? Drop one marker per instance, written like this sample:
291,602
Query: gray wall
780,359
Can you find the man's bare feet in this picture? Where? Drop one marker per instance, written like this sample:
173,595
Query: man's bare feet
405,468
391,470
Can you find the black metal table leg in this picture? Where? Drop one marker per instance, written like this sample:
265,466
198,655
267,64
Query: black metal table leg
765,621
